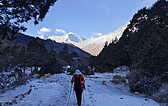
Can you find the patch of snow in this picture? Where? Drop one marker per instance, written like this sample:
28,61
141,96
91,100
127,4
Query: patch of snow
55,90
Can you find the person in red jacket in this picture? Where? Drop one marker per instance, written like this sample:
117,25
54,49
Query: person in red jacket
79,85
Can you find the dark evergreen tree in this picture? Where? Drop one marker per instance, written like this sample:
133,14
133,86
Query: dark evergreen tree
74,54
111,57
146,38
15,12
144,42
92,61
36,53
64,55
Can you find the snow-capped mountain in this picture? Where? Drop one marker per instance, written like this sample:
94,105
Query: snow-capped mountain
67,38
95,45
43,37
91,45
50,44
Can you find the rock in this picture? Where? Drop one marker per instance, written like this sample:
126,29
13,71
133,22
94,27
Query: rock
47,75
137,93
38,76
146,99
104,82
14,101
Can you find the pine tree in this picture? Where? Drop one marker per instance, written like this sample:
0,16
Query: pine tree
15,12
36,53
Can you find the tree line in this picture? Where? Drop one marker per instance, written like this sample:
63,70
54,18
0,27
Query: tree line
143,46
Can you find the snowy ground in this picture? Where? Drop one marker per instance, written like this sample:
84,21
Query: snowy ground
55,90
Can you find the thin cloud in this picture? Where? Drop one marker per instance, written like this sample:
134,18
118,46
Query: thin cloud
43,30
60,31
97,34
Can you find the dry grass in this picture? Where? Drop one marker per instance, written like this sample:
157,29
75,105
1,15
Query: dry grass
117,79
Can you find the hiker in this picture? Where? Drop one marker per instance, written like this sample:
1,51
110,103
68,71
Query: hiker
79,85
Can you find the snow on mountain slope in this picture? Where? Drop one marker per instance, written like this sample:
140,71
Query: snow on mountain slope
93,48
91,45
55,91
43,37
95,45
67,38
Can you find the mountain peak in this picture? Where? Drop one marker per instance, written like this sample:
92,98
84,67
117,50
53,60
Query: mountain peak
95,45
43,37
67,38
90,44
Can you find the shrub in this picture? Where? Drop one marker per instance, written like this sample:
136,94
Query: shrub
161,96
146,85
134,76
117,79
10,81
145,82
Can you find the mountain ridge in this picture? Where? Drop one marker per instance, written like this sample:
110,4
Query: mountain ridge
95,45
51,45
67,38
91,45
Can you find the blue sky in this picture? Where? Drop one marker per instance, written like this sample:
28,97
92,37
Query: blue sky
87,18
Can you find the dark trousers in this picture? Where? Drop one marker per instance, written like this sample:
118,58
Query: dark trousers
79,96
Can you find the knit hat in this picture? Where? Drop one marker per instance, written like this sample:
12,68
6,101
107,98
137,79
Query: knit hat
77,72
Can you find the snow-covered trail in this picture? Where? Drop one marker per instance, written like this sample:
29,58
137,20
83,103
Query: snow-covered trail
55,90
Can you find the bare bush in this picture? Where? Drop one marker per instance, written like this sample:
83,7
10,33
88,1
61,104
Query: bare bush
117,79
142,82
10,81
161,96
134,76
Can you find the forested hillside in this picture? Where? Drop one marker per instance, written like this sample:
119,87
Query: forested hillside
144,47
